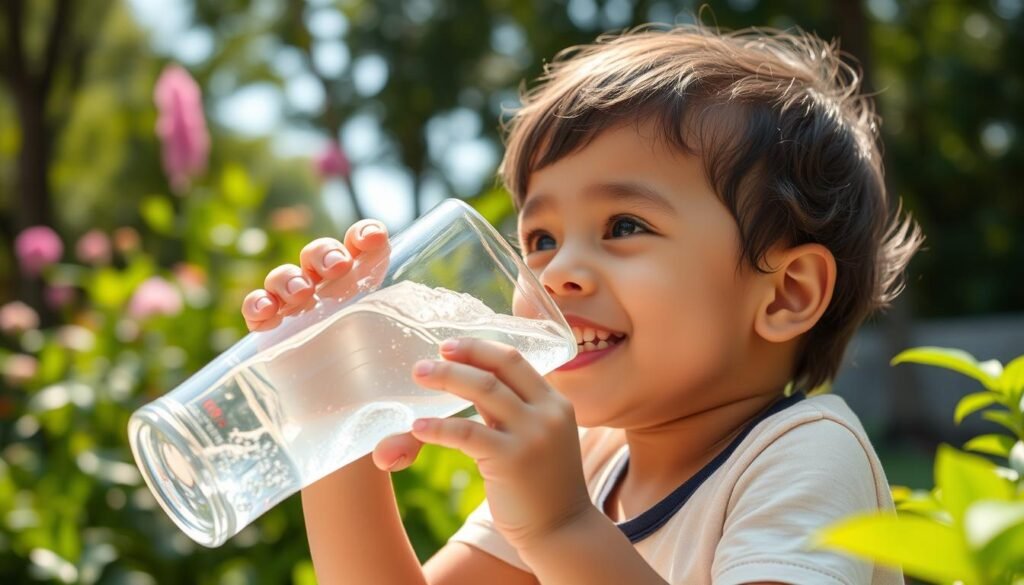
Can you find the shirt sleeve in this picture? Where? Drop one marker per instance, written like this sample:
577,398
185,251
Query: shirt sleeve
809,477
479,532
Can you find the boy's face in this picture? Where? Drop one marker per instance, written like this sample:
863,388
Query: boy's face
666,276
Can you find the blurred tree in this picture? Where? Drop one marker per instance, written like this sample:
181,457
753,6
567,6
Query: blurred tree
42,62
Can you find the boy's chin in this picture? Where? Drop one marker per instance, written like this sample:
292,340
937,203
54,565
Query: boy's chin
590,415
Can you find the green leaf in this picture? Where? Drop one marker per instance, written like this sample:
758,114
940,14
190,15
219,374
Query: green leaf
953,359
303,574
158,213
1004,418
494,205
998,445
964,479
107,289
1011,382
986,520
926,508
924,548
237,187
1004,552
974,402
53,363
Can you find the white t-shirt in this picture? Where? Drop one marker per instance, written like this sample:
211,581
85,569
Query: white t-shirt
747,515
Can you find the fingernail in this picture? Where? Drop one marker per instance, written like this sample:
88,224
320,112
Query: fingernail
449,345
333,257
423,367
297,284
263,303
396,462
369,229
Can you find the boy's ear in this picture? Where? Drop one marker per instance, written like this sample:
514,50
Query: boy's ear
796,293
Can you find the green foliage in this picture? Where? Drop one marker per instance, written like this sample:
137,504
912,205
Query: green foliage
74,506
71,506
970,528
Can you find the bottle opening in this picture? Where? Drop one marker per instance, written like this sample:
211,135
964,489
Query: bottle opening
180,481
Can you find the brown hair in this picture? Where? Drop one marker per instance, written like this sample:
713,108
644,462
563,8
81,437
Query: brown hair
788,142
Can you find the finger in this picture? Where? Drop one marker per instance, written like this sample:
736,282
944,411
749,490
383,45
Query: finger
468,436
366,235
291,287
325,258
396,452
489,394
503,360
257,308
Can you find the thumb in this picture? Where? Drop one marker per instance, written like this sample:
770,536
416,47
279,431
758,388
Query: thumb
396,452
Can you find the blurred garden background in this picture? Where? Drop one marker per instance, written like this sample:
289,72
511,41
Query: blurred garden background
158,157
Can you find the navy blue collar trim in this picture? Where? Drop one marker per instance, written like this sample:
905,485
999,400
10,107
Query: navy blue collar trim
639,528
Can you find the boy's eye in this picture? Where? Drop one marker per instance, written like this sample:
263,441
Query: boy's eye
538,239
631,226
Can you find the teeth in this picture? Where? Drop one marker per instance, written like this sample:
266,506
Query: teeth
588,346
593,336
602,344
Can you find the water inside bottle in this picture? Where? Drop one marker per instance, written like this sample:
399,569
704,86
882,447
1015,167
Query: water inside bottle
325,397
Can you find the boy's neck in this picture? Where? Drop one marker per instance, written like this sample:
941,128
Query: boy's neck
663,457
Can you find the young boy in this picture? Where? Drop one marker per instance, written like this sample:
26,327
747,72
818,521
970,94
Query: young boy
708,211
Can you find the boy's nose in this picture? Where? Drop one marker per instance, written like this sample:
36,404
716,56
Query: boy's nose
560,278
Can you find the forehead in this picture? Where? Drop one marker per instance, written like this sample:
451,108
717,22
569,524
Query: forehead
635,193
628,165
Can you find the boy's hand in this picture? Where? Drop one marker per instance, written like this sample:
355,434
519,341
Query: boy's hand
528,451
290,289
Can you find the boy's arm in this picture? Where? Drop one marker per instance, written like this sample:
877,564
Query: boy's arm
356,536
588,550
354,530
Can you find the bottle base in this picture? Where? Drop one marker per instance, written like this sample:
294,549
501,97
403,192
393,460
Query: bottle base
182,483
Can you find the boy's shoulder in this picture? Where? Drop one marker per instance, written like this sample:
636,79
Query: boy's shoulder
821,429
819,433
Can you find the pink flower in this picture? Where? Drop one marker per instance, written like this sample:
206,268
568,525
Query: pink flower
189,275
192,280
76,338
181,126
332,162
126,239
38,247
155,296
93,248
294,218
19,368
59,295
17,317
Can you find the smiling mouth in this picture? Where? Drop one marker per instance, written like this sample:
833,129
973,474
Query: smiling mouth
589,339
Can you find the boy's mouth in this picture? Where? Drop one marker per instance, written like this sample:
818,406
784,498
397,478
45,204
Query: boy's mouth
591,339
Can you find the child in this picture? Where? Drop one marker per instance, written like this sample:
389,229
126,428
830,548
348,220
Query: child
744,172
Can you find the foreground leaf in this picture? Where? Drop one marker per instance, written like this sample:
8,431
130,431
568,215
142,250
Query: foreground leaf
952,359
973,403
965,479
998,445
924,548
997,528
1012,381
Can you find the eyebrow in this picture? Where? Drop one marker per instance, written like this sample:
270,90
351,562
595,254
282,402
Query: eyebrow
637,194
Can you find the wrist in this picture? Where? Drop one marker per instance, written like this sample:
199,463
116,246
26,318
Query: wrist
561,533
